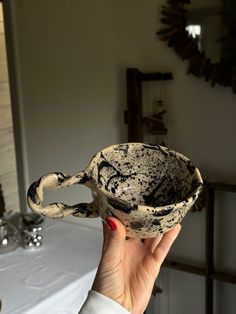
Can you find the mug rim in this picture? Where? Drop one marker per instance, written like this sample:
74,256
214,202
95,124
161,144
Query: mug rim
196,175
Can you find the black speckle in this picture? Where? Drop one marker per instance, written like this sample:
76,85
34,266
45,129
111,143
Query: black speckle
190,166
162,212
61,177
121,205
84,179
83,209
156,222
32,192
137,224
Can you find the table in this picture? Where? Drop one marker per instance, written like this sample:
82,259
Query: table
54,278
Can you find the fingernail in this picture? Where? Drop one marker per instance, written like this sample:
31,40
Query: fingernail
111,224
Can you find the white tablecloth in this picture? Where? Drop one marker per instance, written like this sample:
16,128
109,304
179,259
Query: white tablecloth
55,278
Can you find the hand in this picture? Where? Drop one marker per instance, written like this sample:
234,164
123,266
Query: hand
128,268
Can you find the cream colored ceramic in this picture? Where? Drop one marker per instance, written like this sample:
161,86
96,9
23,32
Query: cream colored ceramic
147,187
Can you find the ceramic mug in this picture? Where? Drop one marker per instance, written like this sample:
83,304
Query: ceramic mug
149,188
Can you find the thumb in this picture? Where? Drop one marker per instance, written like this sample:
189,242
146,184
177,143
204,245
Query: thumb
114,237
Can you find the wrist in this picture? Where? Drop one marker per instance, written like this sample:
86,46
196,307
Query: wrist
105,304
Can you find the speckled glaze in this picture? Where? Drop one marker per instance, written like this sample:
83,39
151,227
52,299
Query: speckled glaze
147,187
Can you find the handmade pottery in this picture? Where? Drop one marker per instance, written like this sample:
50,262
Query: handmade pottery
149,188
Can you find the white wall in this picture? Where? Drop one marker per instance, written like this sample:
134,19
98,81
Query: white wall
65,53
72,60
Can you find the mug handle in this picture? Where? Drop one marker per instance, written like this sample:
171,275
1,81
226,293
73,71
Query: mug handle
58,180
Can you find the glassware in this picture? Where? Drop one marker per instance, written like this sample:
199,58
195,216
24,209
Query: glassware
9,236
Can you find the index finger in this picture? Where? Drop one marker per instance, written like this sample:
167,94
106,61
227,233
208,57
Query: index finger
105,235
165,244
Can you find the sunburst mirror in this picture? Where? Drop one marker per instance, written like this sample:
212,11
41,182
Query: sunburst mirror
204,32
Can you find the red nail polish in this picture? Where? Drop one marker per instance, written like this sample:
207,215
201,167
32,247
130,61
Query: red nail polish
111,224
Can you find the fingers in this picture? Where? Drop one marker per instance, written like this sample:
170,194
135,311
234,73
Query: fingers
165,244
151,243
105,236
114,237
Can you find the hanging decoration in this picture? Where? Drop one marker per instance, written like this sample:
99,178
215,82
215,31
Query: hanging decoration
154,121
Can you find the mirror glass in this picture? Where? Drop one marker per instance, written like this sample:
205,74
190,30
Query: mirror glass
213,24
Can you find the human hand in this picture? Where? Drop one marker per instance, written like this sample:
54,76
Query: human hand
128,268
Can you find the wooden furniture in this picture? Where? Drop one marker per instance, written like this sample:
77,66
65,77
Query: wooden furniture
134,114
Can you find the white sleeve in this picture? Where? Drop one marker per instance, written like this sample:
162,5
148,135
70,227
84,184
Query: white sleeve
97,303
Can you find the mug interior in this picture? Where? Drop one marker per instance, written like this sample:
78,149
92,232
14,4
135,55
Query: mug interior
145,174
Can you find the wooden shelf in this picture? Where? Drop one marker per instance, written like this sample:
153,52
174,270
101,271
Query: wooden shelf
208,270
217,275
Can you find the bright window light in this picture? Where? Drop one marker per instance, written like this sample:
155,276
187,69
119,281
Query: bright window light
194,30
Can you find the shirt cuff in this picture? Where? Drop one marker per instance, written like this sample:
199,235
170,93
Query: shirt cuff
97,303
